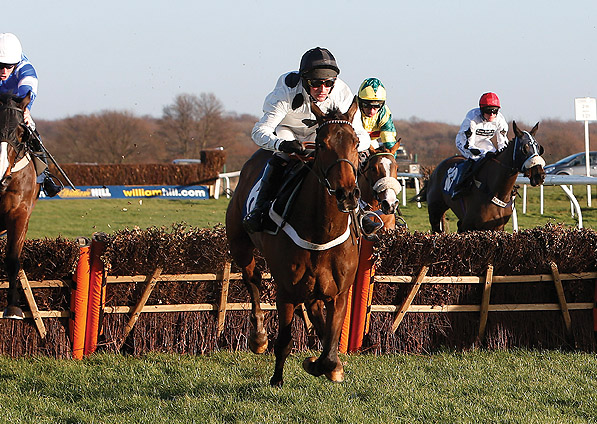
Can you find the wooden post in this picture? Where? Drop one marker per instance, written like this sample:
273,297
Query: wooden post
151,281
406,304
308,323
225,278
485,301
561,297
39,323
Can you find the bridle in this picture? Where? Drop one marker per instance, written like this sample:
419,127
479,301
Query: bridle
517,161
325,172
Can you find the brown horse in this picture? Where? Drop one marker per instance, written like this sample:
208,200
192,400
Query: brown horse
18,192
314,258
488,205
379,186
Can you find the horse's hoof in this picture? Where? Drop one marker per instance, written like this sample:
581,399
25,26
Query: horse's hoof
310,366
276,383
337,376
258,343
13,312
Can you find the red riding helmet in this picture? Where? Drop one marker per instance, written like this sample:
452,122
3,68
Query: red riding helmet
489,99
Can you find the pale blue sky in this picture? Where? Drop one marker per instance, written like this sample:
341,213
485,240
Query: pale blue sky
435,57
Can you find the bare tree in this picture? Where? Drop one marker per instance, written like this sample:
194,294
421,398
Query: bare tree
108,137
191,123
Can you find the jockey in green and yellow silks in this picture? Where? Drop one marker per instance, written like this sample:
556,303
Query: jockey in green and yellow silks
375,114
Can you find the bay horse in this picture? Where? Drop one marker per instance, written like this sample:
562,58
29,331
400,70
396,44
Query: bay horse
314,258
379,185
18,192
488,205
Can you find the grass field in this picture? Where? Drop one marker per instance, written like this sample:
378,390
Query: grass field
471,387
73,218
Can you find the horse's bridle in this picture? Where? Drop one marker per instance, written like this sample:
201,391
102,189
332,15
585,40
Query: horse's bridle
326,181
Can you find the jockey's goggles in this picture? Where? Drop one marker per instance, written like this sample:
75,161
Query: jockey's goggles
371,105
7,65
316,83
490,110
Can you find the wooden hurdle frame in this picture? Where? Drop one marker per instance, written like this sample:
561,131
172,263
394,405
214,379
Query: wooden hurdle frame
224,276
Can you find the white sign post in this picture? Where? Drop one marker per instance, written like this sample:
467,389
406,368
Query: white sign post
586,110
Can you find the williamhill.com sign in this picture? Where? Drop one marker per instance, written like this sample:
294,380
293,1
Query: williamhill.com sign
126,192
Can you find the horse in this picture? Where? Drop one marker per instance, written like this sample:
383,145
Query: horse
489,203
379,186
18,191
313,259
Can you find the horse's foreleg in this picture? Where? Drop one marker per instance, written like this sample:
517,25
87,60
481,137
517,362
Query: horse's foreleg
283,342
14,245
258,336
328,362
13,310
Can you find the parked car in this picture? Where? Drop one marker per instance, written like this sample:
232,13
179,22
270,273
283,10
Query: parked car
574,165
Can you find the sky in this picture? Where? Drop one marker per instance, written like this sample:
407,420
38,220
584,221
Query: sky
435,58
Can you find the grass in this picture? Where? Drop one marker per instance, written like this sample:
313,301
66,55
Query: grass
477,386
73,218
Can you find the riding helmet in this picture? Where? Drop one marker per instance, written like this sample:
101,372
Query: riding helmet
318,63
372,91
489,99
10,49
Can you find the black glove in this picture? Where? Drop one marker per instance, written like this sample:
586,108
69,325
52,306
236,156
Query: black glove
490,155
293,146
475,151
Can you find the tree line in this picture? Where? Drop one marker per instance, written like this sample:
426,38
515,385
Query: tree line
193,123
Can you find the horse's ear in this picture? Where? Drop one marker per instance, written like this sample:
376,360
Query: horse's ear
317,112
534,130
395,147
25,102
517,132
372,150
352,109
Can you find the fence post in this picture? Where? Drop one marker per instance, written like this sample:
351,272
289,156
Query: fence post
561,297
224,277
150,281
406,304
39,323
485,300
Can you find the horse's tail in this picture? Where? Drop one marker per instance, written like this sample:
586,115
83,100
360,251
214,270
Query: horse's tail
421,195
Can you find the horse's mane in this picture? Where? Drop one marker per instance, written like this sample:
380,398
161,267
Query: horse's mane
333,113
8,96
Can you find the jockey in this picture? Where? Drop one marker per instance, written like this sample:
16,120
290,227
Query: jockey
474,137
375,114
287,122
18,77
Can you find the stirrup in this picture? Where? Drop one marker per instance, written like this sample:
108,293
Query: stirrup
376,226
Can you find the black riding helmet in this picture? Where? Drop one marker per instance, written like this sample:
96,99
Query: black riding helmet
318,63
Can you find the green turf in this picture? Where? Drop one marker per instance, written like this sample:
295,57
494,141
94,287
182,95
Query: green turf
73,218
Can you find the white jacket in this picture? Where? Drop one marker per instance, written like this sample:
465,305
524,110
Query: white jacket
280,117
476,133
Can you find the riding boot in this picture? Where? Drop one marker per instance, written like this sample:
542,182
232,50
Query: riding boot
270,182
462,179
48,185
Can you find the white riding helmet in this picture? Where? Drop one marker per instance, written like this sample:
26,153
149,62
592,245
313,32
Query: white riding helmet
10,49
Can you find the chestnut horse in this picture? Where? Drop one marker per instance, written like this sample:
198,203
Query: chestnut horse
379,186
314,257
488,205
18,192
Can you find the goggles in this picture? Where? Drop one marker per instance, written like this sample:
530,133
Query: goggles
490,110
316,83
7,65
371,105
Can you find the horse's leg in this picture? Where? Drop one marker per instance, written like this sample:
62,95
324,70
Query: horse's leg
241,250
315,312
436,217
328,362
283,343
16,229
